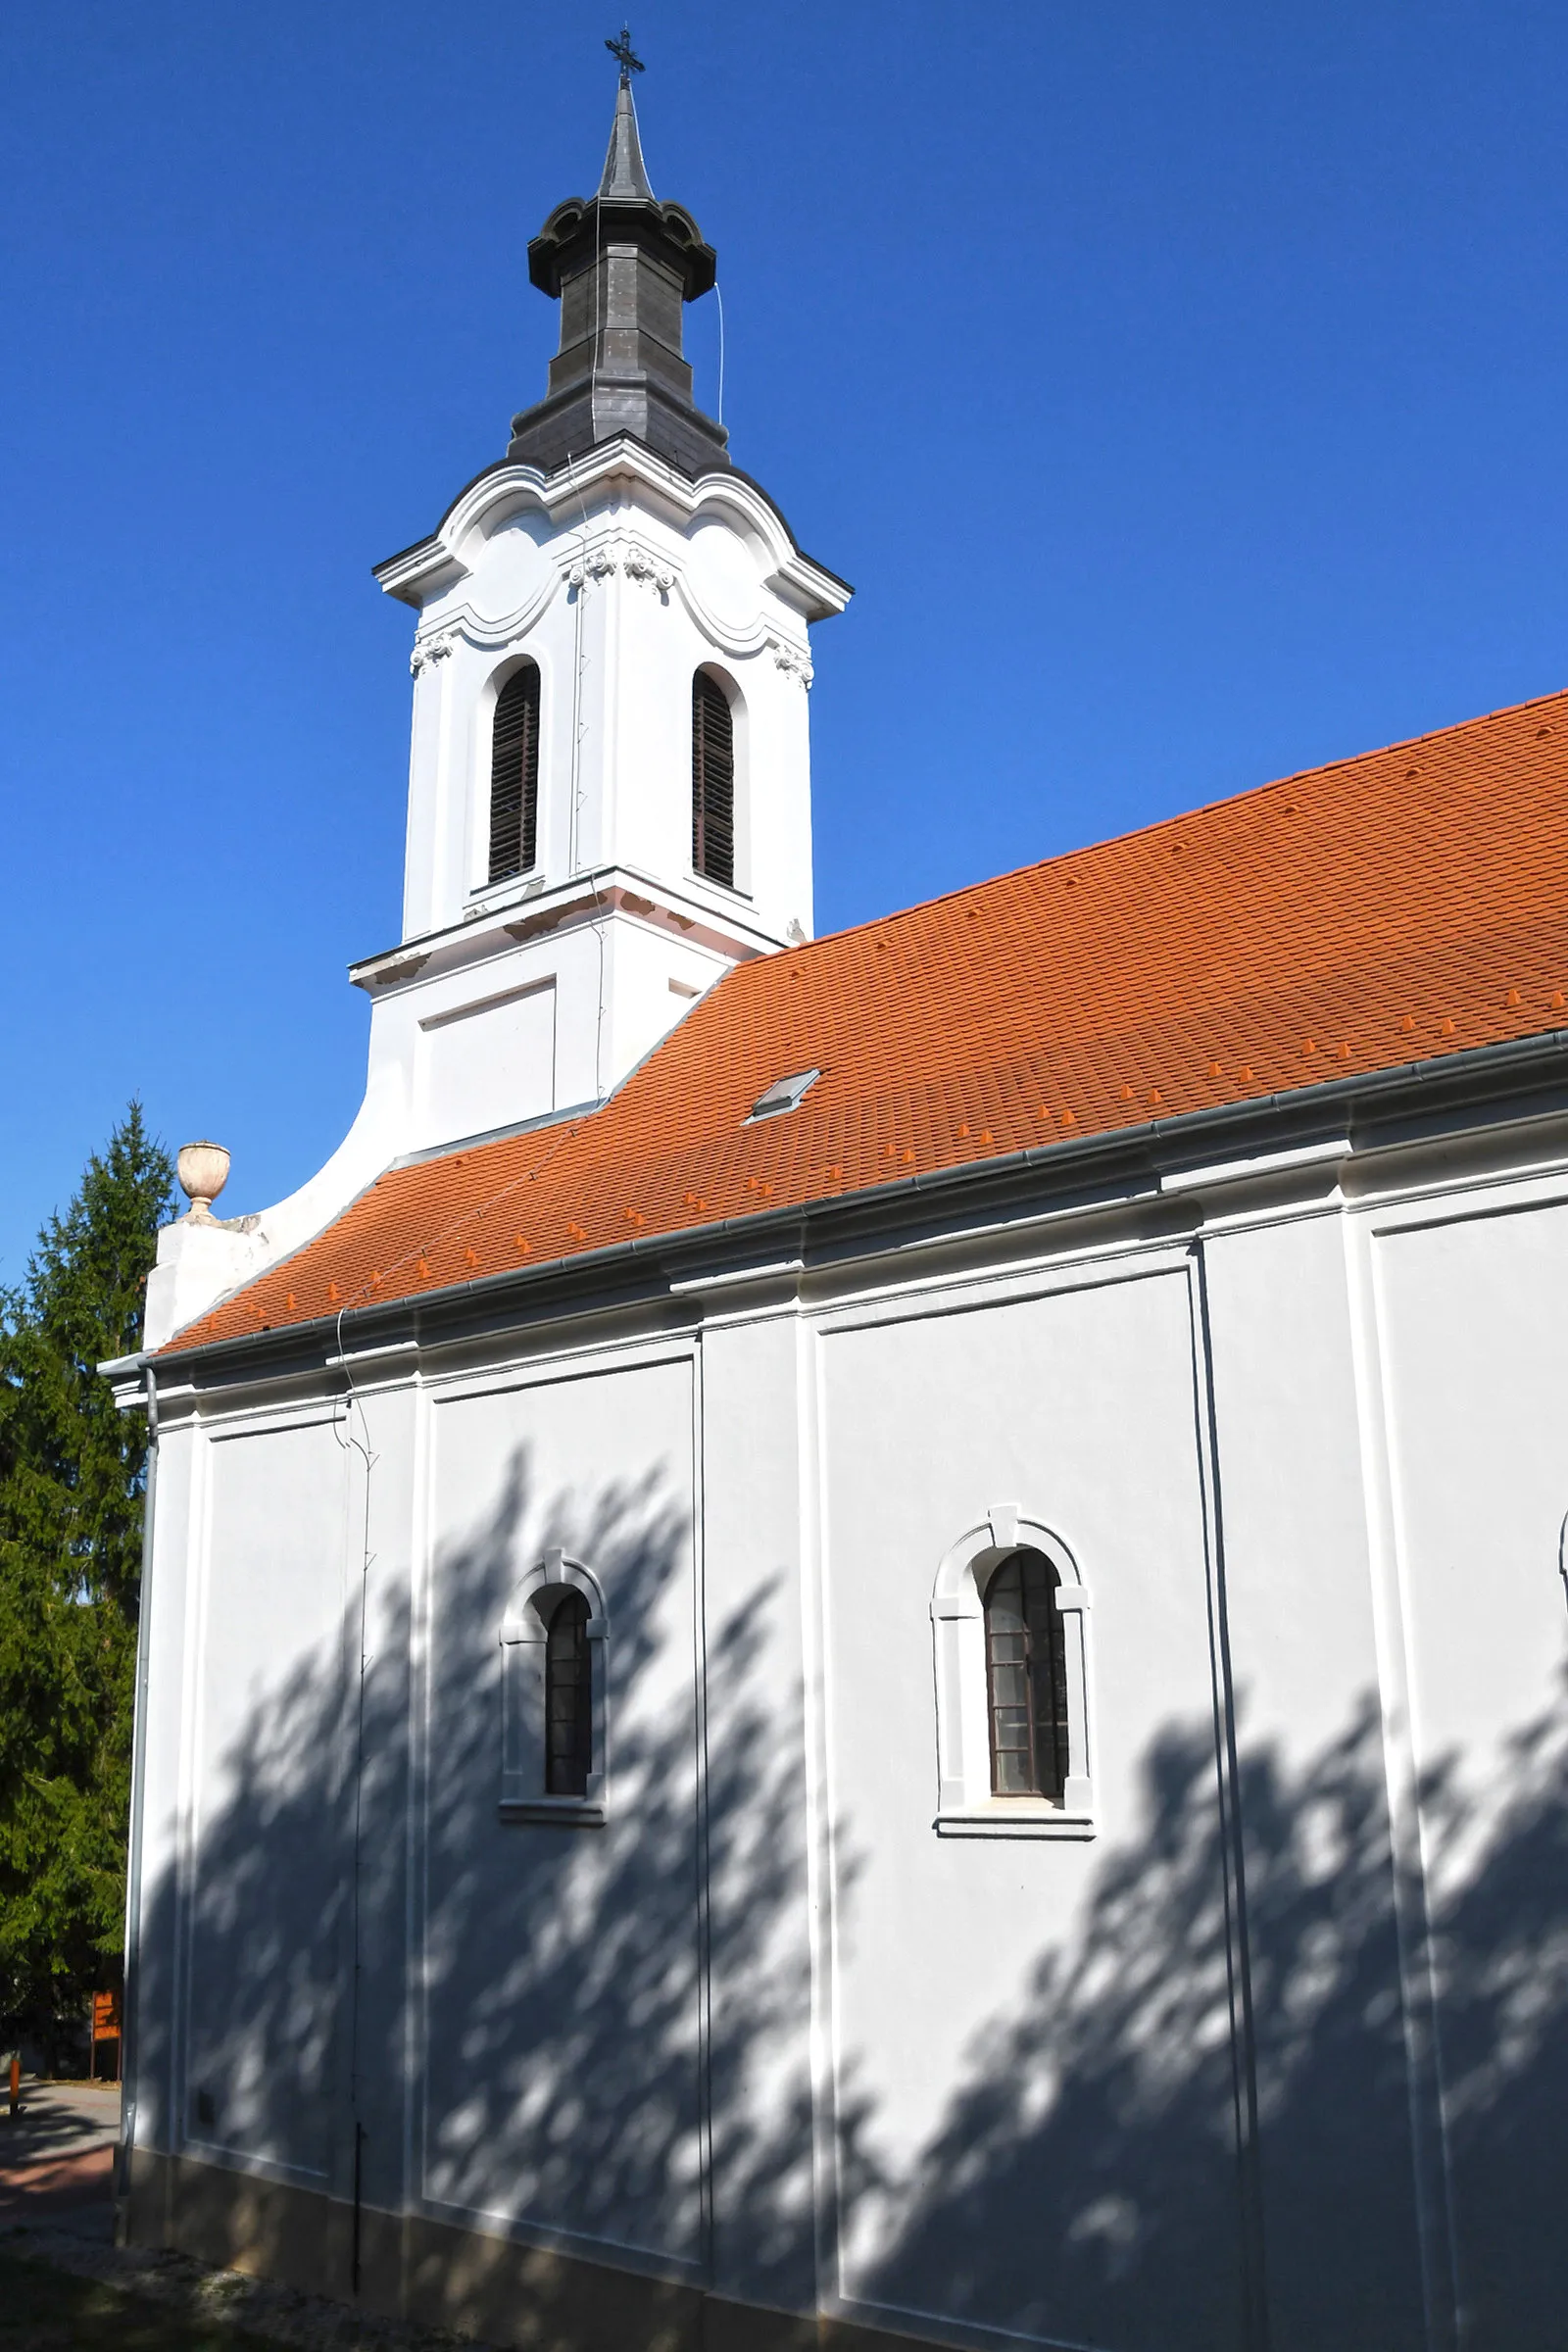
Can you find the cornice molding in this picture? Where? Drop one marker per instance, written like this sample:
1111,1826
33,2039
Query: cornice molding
488,932
421,572
462,625
612,556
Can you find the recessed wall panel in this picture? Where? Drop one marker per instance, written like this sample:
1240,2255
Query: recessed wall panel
560,1961
488,1065
1473,1313
269,1864
1036,2126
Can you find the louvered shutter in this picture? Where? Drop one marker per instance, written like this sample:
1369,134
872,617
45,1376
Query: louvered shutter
712,782
515,775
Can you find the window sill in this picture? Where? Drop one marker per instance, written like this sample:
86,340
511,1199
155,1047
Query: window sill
495,897
1012,1817
725,890
565,1812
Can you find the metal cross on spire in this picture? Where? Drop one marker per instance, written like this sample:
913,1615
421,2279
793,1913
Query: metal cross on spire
625,57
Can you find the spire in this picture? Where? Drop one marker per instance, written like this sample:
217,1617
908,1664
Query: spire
620,265
626,179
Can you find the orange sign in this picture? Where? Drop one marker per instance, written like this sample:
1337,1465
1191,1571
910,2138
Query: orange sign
104,2015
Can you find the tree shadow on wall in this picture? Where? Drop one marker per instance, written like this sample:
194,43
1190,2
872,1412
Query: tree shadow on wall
600,2020
1082,2183
574,2072
1073,2191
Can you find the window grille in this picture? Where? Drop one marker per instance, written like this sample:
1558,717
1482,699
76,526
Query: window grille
569,1698
1026,1676
713,781
515,775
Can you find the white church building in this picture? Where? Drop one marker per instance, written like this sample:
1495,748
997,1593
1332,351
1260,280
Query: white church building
862,1639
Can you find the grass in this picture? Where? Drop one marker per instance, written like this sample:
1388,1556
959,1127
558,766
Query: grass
50,2311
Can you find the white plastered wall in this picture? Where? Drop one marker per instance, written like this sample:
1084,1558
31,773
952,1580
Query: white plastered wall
1119,2089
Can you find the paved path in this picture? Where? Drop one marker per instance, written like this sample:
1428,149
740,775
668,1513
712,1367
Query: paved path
57,2156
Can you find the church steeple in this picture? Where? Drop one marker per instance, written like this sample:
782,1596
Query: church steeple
609,791
626,174
621,264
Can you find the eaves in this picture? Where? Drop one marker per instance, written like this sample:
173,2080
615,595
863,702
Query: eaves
1484,1087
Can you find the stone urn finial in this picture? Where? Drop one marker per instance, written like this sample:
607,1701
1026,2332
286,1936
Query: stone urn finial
203,1174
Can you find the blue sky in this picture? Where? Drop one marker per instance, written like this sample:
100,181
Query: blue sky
1183,388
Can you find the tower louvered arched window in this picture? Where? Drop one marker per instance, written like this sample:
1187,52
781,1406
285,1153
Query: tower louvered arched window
515,775
1026,1677
569,1698
713,781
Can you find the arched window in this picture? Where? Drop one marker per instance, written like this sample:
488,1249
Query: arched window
713,781
555,1641
569,1698
1009,1616
1026,1679
515,775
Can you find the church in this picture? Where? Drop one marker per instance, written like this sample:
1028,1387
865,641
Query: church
860,1639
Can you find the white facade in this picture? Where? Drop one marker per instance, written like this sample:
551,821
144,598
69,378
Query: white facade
1262,2042
620,579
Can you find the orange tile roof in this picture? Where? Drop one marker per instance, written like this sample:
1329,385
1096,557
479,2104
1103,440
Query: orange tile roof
1385,910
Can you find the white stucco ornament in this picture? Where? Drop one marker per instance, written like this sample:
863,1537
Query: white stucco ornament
639,564
431,648
792,661
601,563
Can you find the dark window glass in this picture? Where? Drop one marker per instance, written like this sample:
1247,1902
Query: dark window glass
1027,1673
515,775
569,1698
713,781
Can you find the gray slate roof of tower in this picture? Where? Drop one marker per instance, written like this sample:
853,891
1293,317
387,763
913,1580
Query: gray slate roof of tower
621,264
626,174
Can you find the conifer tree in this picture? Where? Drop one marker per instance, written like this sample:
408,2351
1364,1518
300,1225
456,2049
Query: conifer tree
72,1476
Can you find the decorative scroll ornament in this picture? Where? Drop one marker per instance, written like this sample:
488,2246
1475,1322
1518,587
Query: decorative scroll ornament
626,557
792,661
431,648
599,564
639,564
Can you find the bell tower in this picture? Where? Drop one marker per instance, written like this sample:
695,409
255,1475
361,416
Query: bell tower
610,782
610,799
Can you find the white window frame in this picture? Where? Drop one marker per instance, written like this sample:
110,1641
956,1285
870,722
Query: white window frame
965,1806
524,1629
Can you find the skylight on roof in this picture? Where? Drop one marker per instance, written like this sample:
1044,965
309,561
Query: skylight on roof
785,1094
